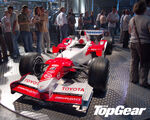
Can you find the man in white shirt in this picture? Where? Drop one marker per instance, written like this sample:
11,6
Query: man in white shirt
112,19
62,22
125,26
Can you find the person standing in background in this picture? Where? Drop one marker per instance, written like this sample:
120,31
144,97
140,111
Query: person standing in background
87,21
80,22
103,19
117,30
139,28
62,23
7,32
56,30
46,36
3,46
38,28
24,22
92,20
71,23
121,26
98,21
125,31
15,31
112,19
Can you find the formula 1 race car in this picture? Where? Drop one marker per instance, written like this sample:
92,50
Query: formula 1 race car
45,80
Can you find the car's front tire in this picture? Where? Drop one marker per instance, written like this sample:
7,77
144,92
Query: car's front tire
31,63
98,74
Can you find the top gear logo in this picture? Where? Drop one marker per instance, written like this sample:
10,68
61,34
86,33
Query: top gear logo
119,110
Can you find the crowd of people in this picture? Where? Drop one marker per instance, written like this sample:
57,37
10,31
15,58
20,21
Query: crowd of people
13,26
133,27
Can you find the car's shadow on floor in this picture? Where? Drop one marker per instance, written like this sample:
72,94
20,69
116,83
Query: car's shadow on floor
39,106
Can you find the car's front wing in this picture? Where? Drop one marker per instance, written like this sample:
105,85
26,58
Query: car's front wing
77,94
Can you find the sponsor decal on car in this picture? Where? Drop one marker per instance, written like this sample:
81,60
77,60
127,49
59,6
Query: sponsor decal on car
55,65
105,111
47,75
68,98
26,90
94,32
31,81
72,89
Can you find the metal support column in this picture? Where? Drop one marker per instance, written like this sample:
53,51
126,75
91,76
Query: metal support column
92,5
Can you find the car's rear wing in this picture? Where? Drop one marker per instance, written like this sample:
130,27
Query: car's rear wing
92,32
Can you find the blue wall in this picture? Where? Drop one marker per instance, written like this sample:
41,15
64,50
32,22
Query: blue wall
132,2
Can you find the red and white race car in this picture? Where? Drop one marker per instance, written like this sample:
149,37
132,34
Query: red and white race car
45,81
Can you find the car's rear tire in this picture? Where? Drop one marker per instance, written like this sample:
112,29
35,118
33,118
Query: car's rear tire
98,74
31,63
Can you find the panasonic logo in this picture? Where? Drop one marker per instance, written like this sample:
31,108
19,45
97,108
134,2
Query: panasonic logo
119,110
67,98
